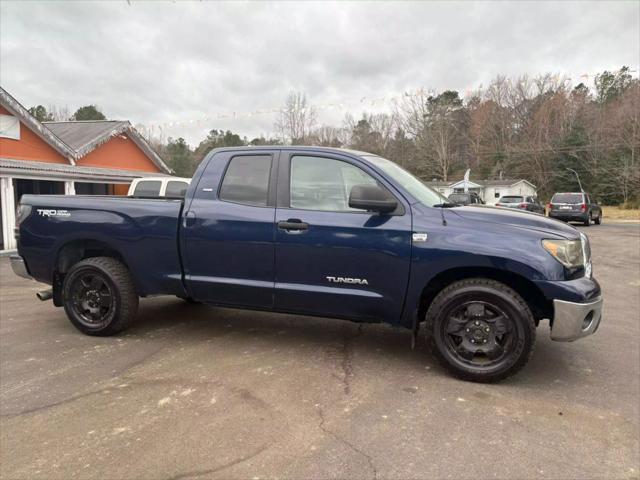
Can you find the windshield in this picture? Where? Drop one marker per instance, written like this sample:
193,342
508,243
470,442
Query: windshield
511,199
567,198
407,181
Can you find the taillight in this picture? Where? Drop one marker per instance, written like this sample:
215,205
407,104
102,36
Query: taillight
498,205
583,207
22,212
550,206
523,205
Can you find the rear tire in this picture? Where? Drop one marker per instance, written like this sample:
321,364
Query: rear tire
99,296
587,222
480,330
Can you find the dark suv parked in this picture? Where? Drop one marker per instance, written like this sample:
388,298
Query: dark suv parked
465,199
528,203
575,207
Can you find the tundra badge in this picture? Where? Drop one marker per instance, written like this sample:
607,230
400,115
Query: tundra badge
419,237
357,281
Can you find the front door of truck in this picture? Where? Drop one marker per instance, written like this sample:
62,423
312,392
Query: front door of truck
228,228
331,259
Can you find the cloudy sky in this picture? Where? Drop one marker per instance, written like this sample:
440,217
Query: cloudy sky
197,63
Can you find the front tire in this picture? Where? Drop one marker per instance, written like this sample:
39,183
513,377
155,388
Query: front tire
598,219
480,330
99,296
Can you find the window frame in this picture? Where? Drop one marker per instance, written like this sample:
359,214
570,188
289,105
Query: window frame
271,179
283,198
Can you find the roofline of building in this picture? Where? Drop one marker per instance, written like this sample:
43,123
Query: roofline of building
18,110
34,169
440,183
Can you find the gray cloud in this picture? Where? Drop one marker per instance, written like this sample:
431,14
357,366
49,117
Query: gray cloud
153,62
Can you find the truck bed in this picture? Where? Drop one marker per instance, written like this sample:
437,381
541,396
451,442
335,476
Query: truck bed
143,231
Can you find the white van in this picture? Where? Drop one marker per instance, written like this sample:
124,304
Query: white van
159,187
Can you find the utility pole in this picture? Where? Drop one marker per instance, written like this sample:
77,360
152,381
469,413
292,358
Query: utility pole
578,177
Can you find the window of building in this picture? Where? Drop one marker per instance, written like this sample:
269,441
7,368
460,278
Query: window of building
324,184
246,180
9,127
496,194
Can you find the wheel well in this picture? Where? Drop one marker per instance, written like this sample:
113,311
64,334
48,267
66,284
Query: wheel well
73,252
539,305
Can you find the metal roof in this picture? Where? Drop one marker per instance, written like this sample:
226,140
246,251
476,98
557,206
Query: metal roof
80,135
85,136
25,168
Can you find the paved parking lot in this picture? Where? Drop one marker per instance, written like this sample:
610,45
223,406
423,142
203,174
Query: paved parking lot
198,392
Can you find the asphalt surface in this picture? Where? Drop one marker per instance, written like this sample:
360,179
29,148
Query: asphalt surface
197,392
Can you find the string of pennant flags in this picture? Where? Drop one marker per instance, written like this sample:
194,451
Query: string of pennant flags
364,101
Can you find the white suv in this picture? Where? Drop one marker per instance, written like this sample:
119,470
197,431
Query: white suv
159,187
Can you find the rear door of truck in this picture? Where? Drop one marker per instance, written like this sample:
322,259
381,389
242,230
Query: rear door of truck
228,230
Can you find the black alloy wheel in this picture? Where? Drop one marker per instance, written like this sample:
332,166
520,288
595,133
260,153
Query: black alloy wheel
92,298
479,334
480,329
99,296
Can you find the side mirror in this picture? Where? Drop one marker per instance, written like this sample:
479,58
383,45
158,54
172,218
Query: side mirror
372,198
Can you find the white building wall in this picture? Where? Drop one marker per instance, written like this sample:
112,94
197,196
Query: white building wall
8,212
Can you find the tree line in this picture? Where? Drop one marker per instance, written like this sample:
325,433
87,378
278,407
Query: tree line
536,128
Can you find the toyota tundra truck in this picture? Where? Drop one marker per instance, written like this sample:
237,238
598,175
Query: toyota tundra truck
314,231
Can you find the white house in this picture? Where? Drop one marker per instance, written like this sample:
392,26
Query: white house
488,190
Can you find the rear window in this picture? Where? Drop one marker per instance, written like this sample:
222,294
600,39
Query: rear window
572,198
247,180
148,188
176,189
511,199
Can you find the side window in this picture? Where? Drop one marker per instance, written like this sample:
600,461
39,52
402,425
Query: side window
324,184
176,189
246,180
148,188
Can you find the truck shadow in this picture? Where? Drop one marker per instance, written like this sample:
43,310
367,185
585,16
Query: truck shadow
179,321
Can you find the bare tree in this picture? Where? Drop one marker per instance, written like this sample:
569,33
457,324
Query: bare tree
328,136
296,120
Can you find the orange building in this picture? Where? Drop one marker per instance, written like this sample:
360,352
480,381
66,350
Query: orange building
88,157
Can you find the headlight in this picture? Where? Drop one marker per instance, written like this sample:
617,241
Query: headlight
568,252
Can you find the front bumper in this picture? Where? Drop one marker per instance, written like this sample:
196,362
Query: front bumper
572,321
18,266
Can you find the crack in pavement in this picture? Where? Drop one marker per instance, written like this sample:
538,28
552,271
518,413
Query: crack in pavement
326,430
347,360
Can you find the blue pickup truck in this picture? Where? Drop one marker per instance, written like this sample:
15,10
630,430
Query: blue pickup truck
324,232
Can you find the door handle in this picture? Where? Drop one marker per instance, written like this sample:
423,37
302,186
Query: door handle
293,225
189,219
